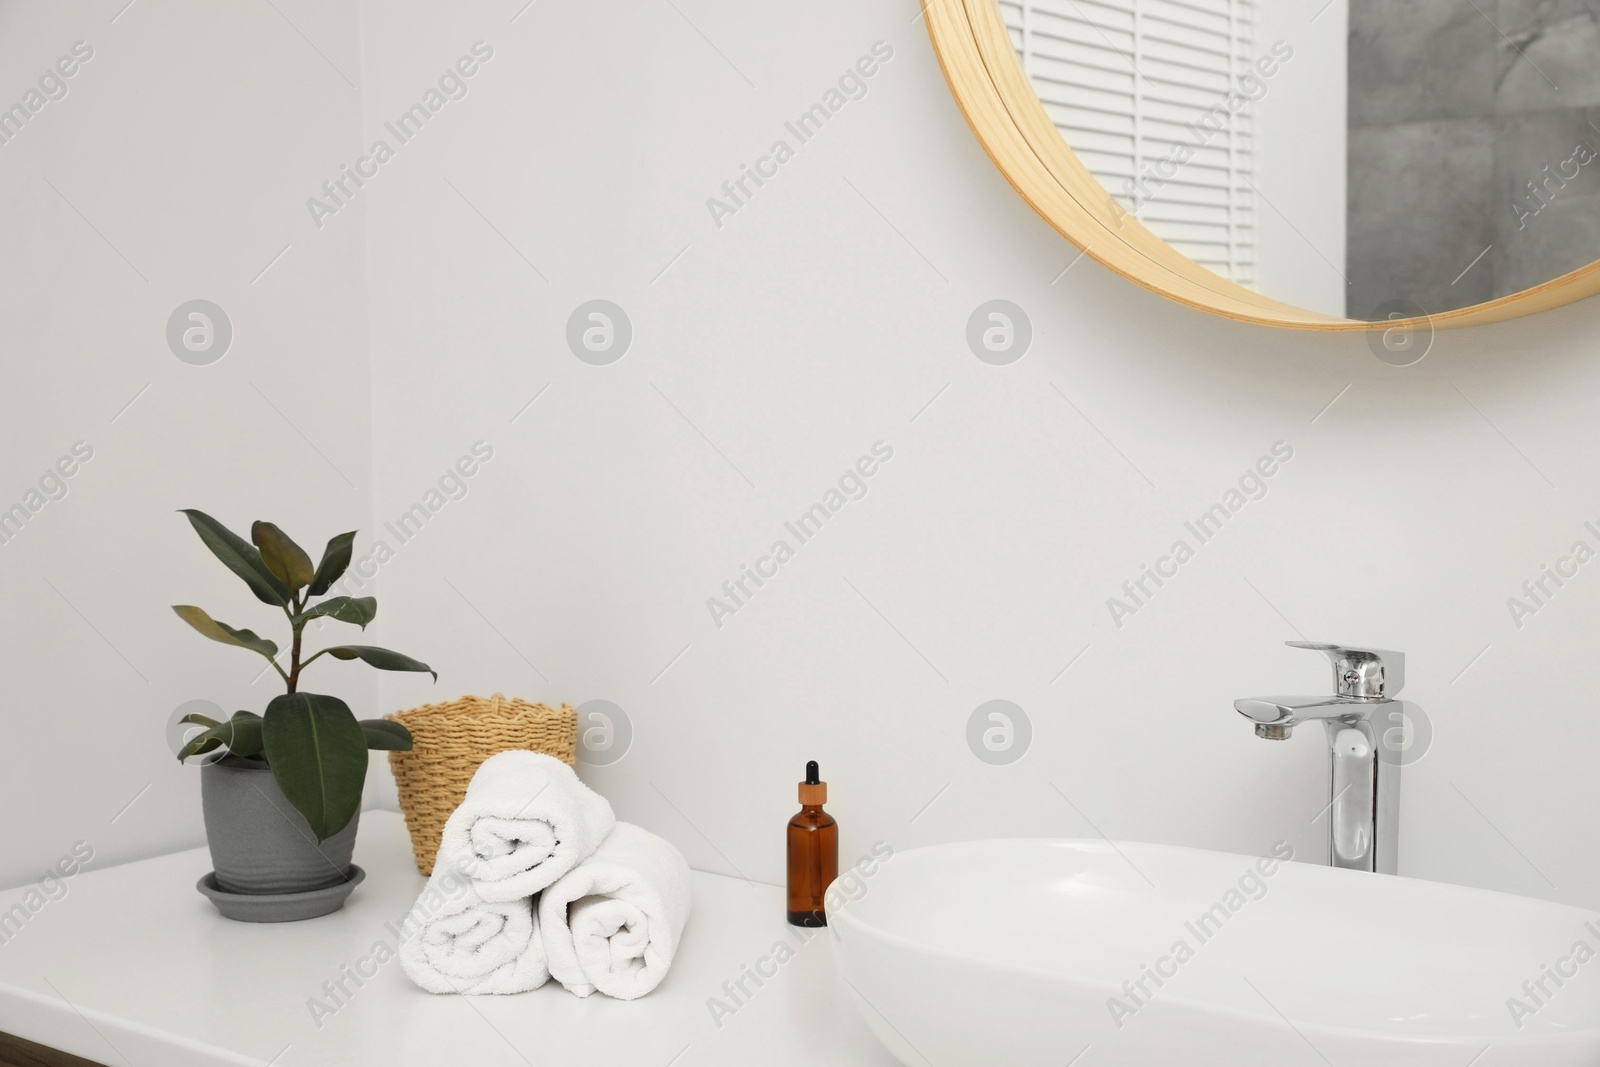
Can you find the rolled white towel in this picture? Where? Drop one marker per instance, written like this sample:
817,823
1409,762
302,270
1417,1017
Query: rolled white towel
614,922
456,942
525,822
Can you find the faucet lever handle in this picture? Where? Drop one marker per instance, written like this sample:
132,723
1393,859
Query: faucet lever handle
1363,673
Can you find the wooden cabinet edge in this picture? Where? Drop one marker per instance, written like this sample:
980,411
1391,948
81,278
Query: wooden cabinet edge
15,1052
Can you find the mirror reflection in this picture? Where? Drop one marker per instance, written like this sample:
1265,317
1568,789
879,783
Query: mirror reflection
1360,158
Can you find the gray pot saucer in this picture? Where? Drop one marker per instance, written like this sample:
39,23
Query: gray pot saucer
280,907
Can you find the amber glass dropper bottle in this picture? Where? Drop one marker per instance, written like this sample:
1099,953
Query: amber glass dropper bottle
813,852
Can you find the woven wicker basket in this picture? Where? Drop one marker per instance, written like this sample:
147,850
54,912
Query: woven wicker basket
449,743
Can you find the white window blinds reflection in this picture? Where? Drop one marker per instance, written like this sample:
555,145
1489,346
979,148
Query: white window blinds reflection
1146,94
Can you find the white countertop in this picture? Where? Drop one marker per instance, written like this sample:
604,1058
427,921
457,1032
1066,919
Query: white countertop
134,968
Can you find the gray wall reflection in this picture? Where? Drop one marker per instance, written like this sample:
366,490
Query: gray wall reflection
1474,153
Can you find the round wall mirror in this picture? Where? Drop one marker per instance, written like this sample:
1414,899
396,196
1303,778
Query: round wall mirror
1320,164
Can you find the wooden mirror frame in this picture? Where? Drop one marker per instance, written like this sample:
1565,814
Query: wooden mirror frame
994,93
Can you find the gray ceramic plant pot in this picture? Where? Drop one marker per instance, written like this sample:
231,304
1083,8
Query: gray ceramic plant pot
259,843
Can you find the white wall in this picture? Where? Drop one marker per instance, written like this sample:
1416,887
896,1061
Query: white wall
1302,131
824,316
188,143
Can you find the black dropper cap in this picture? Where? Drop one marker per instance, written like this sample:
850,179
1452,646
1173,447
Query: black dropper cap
813,776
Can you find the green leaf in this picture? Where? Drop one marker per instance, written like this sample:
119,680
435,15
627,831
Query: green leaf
194,718
381,658
318,754
241,735
240,557
335,558
357,610
245,738
219,631
286,560
199,746
386,735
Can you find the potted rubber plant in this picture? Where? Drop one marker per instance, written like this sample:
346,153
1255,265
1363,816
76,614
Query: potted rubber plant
282,789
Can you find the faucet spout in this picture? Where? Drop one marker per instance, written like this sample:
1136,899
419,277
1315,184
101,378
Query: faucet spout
1276,717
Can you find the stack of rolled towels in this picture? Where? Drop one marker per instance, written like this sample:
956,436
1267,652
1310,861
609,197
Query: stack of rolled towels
534,879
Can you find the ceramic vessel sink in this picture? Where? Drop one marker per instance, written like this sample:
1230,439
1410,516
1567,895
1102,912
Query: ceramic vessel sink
1029,952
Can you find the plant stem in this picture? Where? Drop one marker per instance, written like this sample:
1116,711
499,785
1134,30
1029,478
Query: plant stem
294,653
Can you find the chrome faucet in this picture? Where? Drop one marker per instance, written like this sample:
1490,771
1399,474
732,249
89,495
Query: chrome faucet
1362,719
